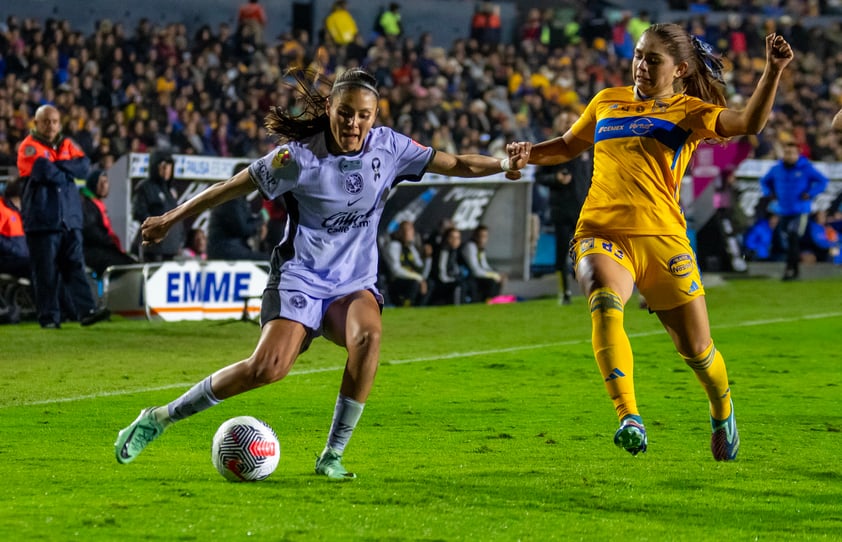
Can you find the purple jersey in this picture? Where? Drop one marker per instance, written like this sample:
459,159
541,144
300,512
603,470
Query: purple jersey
334,204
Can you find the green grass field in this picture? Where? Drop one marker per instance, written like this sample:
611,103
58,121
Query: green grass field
486,423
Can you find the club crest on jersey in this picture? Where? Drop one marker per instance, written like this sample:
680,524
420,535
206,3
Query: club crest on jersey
298,301
281,159
586,244
354,183
681,265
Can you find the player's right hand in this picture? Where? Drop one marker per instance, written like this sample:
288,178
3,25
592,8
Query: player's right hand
153,230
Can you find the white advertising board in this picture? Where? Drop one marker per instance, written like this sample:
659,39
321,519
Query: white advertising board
189,290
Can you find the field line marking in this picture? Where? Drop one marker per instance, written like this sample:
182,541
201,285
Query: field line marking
452,355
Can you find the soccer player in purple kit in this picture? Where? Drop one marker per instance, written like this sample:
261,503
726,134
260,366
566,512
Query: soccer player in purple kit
334,170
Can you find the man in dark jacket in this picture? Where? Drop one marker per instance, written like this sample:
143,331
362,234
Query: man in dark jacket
14,252
154,197
568,184
232,226
49,165
101,245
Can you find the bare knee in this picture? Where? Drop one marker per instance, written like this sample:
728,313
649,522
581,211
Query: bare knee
365,338
692,349
266,368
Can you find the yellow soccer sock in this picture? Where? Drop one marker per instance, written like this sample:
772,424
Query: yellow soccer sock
709,367
612,350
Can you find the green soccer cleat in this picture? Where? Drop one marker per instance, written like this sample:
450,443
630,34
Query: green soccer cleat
330,465
631,436
134,438
724,438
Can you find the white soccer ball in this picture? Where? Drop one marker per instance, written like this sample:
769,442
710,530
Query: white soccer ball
245,449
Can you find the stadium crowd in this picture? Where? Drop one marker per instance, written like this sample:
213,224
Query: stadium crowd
121,90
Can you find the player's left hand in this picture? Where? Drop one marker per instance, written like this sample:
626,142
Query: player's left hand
778,51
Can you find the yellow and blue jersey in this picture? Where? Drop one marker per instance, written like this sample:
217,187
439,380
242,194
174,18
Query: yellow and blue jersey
641,149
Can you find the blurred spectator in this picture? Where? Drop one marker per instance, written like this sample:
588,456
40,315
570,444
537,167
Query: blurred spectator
276,212
821,240
483,281
638,24
49,165
340,25
486,27
252,15
621,38
197,245
14,252
793,182
448,279
759,238
234,229
389,23
568,184
153,197
408,269
100,244
435,239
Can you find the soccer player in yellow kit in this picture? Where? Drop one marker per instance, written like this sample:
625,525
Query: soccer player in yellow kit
632,231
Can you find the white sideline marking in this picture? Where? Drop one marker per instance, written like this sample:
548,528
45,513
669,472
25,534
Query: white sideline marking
452,355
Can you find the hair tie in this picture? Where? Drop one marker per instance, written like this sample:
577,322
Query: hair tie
712,62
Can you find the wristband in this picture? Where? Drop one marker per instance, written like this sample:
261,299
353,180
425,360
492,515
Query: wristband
504,164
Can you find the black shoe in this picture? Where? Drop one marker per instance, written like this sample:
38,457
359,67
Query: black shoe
51,325
95,316
790,274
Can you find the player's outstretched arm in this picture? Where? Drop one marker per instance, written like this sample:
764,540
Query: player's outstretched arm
155,228
470,165
753,118
547,153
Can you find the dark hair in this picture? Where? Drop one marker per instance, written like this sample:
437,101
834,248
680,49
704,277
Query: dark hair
14,189
313,118
703,78
191,237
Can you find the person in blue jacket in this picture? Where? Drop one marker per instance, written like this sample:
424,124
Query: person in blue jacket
794,182
758,240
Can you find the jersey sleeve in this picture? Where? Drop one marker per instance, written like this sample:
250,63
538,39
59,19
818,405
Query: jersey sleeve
704,116
276,173
411,158
585,126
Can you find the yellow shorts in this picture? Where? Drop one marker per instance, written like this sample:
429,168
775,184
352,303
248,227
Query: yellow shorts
663,268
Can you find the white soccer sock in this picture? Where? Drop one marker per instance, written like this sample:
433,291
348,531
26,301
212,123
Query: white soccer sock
346,414
198,398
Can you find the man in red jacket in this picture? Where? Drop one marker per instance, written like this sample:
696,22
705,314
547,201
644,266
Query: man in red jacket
49,165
